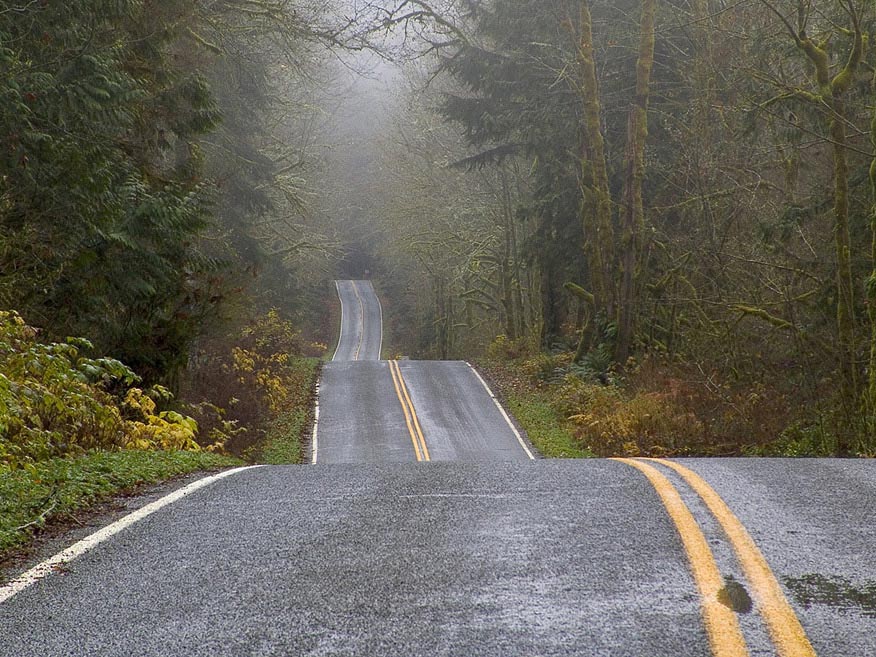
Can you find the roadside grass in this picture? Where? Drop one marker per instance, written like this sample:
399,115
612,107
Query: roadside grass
284,443
550,433
284,440
53,490
546,430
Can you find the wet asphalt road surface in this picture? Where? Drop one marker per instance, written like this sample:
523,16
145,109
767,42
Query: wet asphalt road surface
480,552
362,418
361,332
505,559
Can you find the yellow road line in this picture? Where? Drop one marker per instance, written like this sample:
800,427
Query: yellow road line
396,378
785,629
722,627
419,429
361,319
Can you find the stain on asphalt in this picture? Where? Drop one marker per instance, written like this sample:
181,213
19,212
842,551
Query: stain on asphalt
833,591
735,596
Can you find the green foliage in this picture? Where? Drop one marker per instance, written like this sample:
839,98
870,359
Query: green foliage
55,401
253,389
100,192
53,490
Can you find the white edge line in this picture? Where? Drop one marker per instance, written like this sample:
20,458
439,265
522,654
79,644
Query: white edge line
502,411
341,332
380,308
79,548
314,442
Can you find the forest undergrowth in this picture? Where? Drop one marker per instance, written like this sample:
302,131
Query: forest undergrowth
75,430
654,407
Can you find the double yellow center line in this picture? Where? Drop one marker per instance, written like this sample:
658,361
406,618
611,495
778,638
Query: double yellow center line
411,419
361,320
722,627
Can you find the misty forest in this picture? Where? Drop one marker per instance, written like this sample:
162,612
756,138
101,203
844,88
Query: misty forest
651,223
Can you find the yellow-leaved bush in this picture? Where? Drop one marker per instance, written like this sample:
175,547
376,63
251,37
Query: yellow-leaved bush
55,401
610,421
238,384
164,430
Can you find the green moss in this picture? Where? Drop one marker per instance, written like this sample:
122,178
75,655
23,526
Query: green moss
54,489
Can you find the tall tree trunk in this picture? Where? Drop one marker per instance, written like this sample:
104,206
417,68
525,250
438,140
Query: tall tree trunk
634,212
596,206
831,90
845,307
506,270
871,291
441,319
516,277
550,321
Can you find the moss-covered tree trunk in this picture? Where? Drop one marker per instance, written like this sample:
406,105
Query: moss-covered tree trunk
845,306
839,86
634,211
871,291
596,208
831,91
507,271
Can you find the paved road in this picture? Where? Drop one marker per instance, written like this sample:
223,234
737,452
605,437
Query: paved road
483,552
378,412
529,558
361,333
385,412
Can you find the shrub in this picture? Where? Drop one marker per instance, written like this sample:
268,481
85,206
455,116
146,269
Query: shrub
54,401
502,348
611,423
238,386
546,367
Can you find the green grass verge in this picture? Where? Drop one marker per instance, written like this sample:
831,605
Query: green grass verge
544,427
50,490
283,444
547,430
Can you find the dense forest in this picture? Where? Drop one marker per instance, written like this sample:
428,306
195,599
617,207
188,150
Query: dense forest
660,214
676,200
158,164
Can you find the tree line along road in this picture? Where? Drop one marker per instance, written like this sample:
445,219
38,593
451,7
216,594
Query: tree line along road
482,550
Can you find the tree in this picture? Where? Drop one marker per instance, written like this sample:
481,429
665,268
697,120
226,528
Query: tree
827,91
101,187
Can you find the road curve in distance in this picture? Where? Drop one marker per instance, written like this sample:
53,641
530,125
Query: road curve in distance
361,333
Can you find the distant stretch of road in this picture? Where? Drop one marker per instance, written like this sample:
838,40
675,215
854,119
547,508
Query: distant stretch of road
397,411
361,334
426,528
